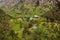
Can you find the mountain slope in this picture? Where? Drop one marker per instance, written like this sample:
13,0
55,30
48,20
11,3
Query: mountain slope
8,2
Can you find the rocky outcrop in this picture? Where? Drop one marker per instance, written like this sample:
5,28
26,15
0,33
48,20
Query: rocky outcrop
26,2
41,2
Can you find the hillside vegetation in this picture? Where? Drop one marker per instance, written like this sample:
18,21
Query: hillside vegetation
30,22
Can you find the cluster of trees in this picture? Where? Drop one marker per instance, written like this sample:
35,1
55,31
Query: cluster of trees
53,14
6,32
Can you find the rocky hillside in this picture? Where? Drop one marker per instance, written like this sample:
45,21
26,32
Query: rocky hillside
8,2
13,2
45,2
